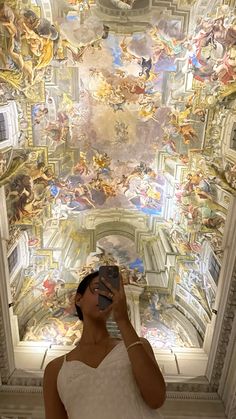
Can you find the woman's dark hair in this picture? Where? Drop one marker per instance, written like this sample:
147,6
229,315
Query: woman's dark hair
82,288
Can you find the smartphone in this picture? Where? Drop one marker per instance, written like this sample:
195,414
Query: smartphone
111,274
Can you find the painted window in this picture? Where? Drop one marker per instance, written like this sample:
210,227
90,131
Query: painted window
3,128
214,268
12,260
233,138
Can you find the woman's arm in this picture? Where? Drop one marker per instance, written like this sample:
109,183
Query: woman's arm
145,368
54,408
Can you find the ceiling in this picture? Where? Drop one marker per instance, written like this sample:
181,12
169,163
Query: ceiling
117,147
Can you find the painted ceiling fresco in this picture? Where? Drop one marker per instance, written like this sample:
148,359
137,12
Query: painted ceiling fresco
123,250
97,118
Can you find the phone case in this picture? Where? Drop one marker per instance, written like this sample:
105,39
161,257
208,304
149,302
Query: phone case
111,274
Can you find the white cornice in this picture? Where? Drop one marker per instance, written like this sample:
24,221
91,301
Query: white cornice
187,395
175,395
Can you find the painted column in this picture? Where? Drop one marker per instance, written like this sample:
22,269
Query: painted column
147,257
134,292
7,363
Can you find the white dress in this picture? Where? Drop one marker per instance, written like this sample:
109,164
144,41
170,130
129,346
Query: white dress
106,392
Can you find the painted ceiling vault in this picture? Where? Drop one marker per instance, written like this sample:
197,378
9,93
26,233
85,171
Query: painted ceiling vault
116,107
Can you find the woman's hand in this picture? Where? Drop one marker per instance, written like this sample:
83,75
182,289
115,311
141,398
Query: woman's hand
118,298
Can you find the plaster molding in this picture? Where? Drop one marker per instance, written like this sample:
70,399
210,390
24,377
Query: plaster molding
223,341
188,386
175,395
20,405
225,302
188,395
4,367
6,344
4,228
232,412
20,389
227,386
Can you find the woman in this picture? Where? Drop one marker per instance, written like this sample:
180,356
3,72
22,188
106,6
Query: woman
104,377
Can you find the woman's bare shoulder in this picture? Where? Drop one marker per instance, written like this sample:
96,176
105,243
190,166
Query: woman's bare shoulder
54,366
